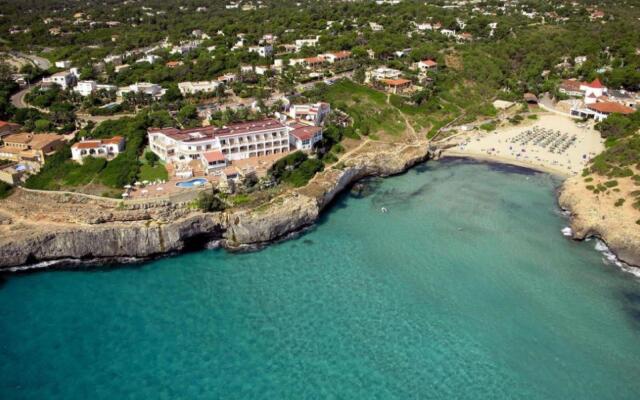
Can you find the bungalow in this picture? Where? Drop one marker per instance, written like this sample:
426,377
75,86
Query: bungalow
426,65
151,89
189,88
395,86
304,137
338,56
105,148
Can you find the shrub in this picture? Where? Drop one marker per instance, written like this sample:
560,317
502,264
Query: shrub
5,189
619,202
611,184
209,202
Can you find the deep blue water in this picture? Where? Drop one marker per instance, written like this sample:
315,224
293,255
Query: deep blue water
465,289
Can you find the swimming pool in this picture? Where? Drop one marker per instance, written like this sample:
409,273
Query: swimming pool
192,183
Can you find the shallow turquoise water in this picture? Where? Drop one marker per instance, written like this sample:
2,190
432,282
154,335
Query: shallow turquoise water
465,289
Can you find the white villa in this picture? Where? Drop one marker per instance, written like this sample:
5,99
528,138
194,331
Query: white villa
152,89
64,79
312,113
262,51
304,137
300,43
85,88
107,148
383,73
187,88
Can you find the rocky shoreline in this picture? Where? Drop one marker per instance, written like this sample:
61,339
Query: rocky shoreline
595,215
77,231
68,227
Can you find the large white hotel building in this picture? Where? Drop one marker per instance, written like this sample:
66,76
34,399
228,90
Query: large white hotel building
234,142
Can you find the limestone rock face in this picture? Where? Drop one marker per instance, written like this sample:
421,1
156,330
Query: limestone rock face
596,215
48,226
108,241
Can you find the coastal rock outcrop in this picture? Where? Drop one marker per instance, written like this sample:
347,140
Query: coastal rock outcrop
597,215
52,226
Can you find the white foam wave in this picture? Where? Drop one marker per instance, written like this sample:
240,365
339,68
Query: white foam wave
610,258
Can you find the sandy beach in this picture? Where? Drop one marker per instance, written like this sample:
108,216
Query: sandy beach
552,143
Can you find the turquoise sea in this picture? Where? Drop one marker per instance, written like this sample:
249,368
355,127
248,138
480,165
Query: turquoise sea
465,289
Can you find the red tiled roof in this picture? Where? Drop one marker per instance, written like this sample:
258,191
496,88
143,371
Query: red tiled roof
429,63
609,107
314,60
571,85
305,132
213,156
596,84
95,143
395,82
342,54
209,132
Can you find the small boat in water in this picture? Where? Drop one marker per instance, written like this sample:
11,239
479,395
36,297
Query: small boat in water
384,210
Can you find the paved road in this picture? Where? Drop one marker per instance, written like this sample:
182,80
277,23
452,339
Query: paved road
18,99
38,61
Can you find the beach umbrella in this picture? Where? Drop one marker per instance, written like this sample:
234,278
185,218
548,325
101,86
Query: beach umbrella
125,194
159,188
145,182
138,183
127,186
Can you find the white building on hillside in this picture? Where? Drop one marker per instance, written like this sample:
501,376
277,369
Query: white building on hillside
262,51
64,79
312,113
300,43
151,89
187,88
105,148
64,64
304,137
85,88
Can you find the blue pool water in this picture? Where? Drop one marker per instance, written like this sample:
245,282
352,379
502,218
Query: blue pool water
192,182
465,289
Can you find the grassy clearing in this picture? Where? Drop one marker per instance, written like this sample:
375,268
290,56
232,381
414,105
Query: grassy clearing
368,107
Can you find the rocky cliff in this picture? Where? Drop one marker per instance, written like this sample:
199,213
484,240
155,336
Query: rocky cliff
36,227
596,214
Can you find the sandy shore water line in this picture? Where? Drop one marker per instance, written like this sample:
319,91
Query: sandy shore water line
576,143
